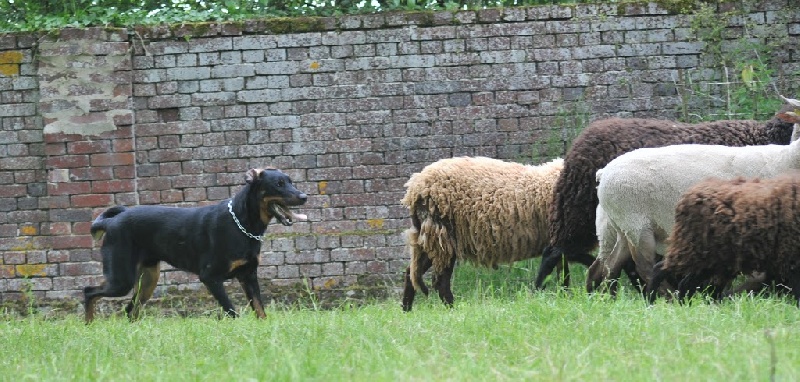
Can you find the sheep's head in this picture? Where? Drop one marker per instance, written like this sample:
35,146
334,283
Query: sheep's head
791,115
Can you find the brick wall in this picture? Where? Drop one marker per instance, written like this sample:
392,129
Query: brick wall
348,106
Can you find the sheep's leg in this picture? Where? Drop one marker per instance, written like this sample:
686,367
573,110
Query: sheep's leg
644,255
442,283
688,286
659,275
607,269
583,258
551,258
753,283
409,291
792,281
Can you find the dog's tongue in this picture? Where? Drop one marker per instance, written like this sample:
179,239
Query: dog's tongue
285,215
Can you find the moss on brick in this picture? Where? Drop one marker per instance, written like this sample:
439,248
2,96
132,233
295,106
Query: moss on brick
284,25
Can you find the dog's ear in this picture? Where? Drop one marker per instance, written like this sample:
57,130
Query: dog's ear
252,175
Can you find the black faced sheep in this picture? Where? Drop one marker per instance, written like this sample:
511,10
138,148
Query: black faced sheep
572,215
727,227
481,210
638,192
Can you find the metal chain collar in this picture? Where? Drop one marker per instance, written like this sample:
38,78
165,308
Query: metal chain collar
250,235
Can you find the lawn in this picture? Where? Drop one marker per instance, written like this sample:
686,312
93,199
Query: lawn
499,330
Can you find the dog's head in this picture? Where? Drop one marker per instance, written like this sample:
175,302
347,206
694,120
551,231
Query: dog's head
275,193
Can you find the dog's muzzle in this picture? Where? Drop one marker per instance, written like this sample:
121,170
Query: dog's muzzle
284,215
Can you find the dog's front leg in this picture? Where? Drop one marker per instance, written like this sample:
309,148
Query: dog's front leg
218,291
249,282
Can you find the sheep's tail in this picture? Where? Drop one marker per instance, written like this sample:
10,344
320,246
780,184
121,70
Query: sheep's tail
98,228
412,237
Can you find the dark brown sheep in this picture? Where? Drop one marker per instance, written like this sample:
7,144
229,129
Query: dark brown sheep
724,228
572,214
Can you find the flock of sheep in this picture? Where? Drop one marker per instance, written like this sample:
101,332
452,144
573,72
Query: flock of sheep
678,207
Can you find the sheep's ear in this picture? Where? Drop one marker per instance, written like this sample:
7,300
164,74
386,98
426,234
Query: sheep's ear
252,175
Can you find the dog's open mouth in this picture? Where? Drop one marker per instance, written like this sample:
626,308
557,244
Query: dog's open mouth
284,215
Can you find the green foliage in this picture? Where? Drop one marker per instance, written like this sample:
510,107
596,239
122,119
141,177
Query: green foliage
32,15
745,84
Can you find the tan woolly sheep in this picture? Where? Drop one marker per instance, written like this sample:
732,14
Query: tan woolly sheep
482,210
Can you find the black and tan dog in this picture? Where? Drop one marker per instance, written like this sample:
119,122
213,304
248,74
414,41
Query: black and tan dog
216,242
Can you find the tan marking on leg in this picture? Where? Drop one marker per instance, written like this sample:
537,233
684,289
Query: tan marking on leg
147,280
236,264
258,309
89,309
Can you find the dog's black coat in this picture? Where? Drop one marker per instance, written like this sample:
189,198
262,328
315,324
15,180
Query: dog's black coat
202,240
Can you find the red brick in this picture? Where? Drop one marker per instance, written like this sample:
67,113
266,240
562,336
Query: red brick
331,226
119,132
81,228
151,184
68,161
126,198
61,201
71,188
81,269
124,172
7,272
91,173
150,197
67,242
122,145
55,149
88,147
171,196
61,137
57,256
14,258
113,159
171,168
92,200
111,186
376,267
194,194
12,191
60,228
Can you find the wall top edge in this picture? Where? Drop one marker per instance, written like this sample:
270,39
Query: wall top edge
384,20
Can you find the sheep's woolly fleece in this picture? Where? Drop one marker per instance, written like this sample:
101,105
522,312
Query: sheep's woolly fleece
733,226
572,215
483,210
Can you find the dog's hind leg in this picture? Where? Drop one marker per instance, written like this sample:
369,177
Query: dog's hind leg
146,280
119,276
252,291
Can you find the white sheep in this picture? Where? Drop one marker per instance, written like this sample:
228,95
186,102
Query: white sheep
638,192
479,209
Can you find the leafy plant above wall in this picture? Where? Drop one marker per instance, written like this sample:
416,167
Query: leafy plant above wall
32,15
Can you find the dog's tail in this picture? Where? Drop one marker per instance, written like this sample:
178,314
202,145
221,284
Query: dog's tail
98,228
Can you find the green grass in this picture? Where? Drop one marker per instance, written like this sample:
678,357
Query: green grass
499,330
